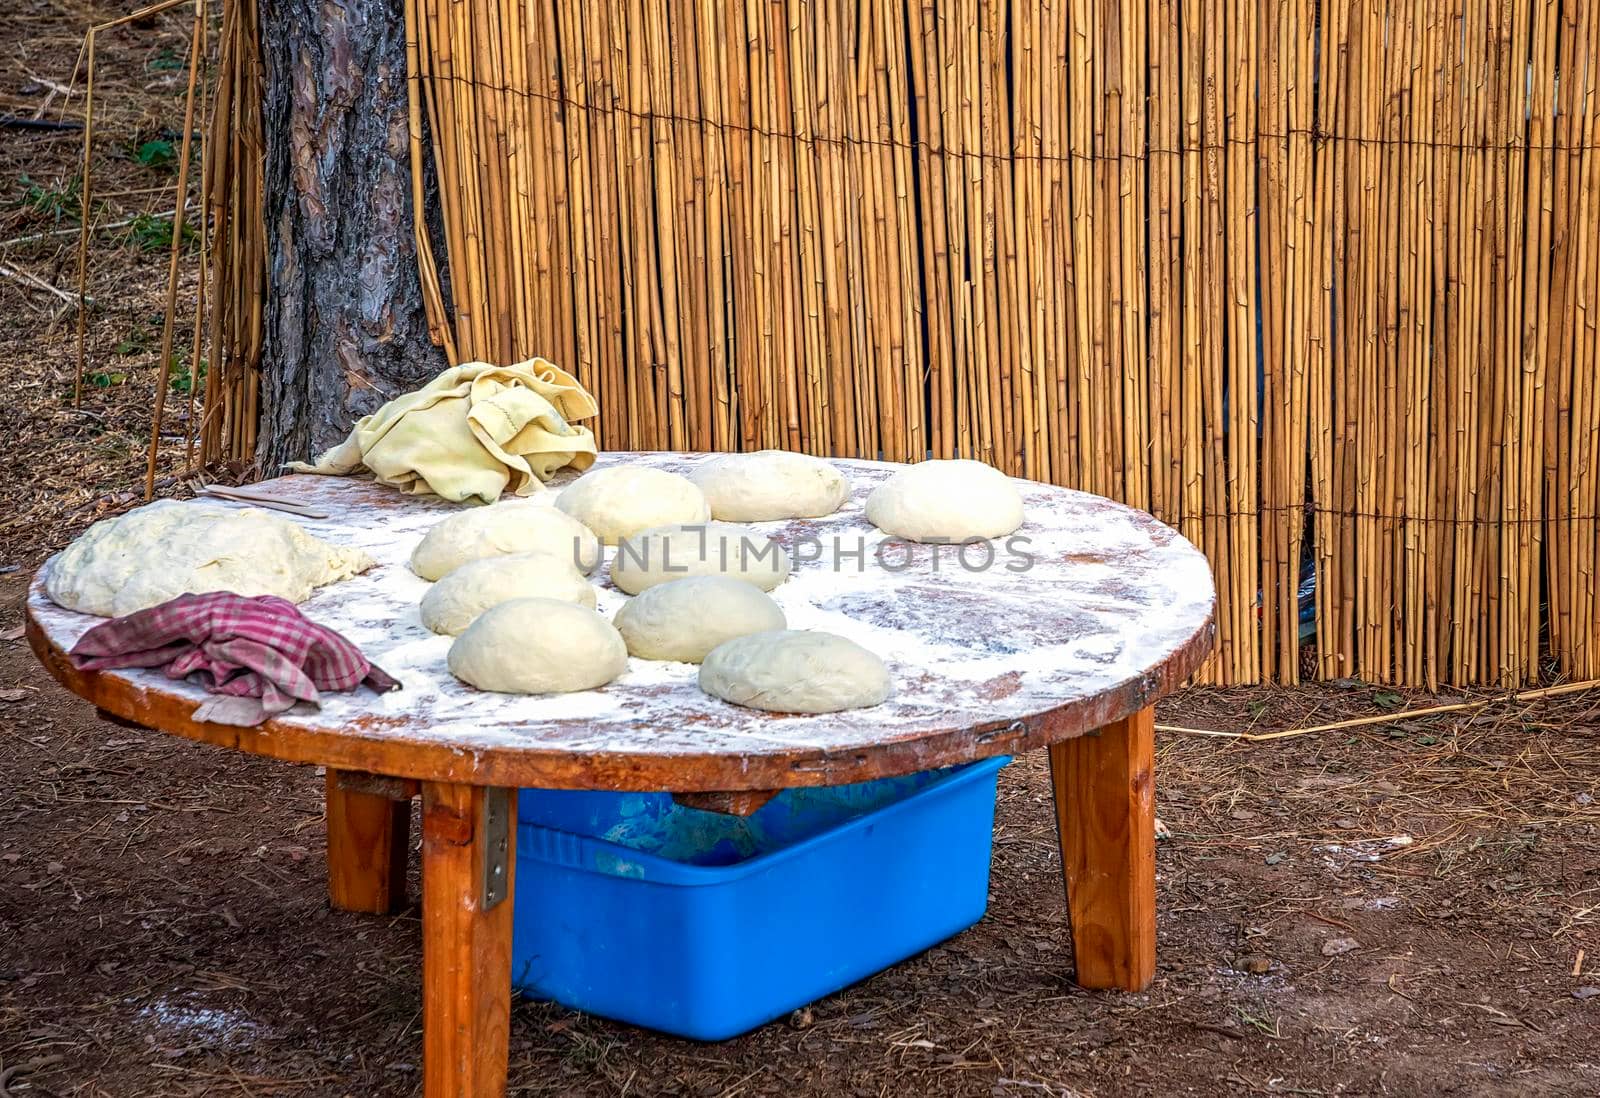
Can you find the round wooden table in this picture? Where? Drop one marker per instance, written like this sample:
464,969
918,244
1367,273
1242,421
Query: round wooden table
1062,635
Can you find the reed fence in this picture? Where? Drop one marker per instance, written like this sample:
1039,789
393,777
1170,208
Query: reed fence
234,237
1317,283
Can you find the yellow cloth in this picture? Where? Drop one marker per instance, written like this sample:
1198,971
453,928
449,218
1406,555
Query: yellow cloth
470,432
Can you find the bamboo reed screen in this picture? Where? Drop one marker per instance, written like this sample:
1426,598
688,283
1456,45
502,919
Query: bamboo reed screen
1307,280
234,238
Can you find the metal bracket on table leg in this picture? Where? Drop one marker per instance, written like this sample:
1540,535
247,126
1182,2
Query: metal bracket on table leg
495,827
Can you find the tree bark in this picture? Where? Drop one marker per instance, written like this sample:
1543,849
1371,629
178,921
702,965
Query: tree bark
344,327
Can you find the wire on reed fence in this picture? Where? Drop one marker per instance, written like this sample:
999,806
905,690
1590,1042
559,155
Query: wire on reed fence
1311,281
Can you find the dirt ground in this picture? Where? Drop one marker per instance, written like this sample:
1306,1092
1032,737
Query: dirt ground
1405,909
1393,911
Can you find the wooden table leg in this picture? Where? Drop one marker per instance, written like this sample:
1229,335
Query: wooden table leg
466,939
368,839
1106,812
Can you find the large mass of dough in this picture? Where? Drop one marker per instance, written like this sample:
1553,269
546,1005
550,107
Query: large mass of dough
166,549
513,526
538,646
769,485
620,501
455,602
795,671
667,553
685,619
946,501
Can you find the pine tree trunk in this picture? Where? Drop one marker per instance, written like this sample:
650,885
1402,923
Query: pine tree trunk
344,327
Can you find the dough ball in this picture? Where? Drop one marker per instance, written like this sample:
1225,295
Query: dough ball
685,619
538,646
619,502
795,671
946,500
514,526
455,602
667,553
166,549
770,484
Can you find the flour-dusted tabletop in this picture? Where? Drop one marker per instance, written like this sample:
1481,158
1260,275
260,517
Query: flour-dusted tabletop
1062,635
1086,614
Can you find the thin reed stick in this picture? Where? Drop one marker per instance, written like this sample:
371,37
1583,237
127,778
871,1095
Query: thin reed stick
178,212
197,327
85,188
1390,718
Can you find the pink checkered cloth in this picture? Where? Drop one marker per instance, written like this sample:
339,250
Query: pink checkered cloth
261,655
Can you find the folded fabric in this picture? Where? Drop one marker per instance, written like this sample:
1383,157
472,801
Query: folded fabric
471,432
261,655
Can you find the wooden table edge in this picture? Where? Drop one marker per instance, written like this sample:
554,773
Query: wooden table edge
559,768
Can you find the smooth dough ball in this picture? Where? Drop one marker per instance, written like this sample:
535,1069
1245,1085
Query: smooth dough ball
619,502
514,526
685,619
770,484
946,500
668,553
455,602
538,646
795,671
166,549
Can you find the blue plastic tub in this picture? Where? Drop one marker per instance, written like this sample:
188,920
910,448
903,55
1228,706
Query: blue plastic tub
703,925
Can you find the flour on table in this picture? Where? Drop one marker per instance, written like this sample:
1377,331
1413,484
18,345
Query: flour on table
1103,594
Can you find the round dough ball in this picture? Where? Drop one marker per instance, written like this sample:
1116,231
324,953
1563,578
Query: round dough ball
455,602
795,671
770,484
946,501
538,646
619,502
668,553
685,619
514,526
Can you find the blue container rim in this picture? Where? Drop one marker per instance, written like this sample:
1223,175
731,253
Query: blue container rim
665,871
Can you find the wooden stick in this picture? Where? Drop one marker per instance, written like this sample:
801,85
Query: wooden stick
197,328
84,190
17,274
177,250
427,267
1389,718
262,499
